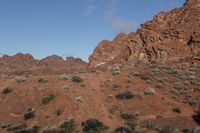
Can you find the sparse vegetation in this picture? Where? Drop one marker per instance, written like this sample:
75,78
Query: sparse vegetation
19,79
145,77
77,79
159,86
169,129
7,90
123,130
136,73
47,99
127,116
94,126
196,117
125,95
43,80
178,86
68,126
63,77
177,110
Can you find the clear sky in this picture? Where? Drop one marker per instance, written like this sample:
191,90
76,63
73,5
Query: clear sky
70,27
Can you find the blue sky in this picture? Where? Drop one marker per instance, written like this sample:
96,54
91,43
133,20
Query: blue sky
70,27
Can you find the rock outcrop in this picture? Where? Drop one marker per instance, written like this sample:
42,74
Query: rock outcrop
26,62
169,36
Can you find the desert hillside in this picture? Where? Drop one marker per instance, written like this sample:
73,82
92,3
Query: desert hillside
143,82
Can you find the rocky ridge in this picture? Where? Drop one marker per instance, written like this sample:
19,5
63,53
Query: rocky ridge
26,62
170,36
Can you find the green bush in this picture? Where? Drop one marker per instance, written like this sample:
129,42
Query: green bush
47,99
77,79
127,116
196,117
145,77
178,86
177,110
43,80
68,126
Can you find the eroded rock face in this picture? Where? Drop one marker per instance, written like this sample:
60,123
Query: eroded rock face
169,36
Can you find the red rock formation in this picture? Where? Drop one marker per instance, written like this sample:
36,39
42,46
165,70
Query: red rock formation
169,36
75,62
26,62
17,62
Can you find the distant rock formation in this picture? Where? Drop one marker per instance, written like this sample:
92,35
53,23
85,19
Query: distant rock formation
26,62
169,36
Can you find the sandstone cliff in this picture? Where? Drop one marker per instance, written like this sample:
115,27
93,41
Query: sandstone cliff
169,36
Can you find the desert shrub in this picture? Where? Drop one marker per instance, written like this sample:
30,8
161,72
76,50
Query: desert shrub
129,81
161,80
197,89
191,101
186,130
16,127
145,77
153,62
43,80
159,86
63,77
196,117
169,129
115,86
93,126
98,71
166,67
177,110
34,129
122,130
7,90
196,130
173,71
114,73
68,126
19,79
135,73
156,71
125,95
127,116
47,99
132,125
178,86
77,79
195,82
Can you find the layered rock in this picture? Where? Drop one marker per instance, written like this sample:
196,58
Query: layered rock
169,36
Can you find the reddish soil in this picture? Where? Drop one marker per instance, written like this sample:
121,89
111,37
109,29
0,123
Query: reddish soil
98,91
